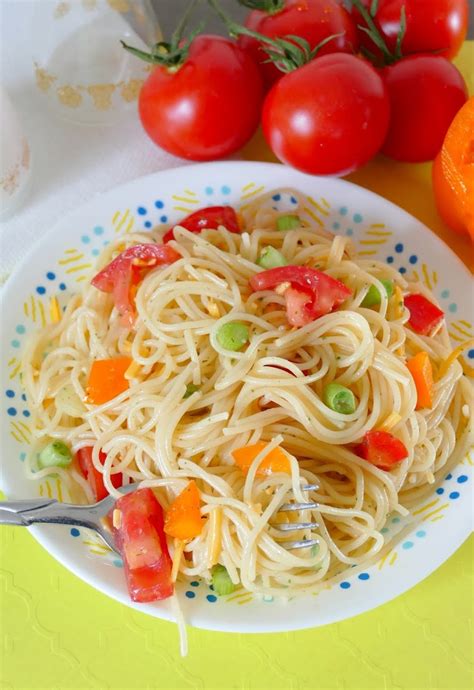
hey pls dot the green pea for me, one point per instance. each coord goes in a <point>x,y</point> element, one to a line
<point>339,398</point>
<point>221,581</point>
<point>288,222</point>
<point>233,335</point>
<point>373,295</point>
<point>55,454</point>
<point>271,258</point>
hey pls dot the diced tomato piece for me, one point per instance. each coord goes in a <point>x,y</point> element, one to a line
<point>424,315</point>
<point>381,449</point>
<point>93,476</point>
<point>207,219</point>
<point>128,269</point>
<point>141,540</point>
<point>309,295</point>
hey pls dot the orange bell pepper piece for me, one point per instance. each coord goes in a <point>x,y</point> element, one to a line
<point>183,518</point>
<point>422,372</point>
<point>107,379</point>
<point>453,173</point>
<point>275,461</point>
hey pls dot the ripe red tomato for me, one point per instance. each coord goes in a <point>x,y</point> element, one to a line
<point>328,117</point>
<point>431,25</point>
<point>425,91</point>
<point>209,107</point>
<point>313,20</point>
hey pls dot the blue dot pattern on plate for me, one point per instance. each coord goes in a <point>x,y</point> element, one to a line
<point>336,226</point>
<point>462,478</point>
<point>407,545</point>
<point>413,259</point>
<point>453,308</point>
<point>421,533</point>
<point>399,248</point>
<point>276,197</point>
<point>384,530</point>
<point>349,232</point>
<point>40,290</point>
<point>11,411</point>
<point>20,329</point>
<point>26,413</point>
<point>62,286</point>
<point>453,495</point>
<point>159,203</point>
<point>98,230</point>
<point>95,252</point>
<point>470,354</point>
<point>15,343</point>
<point>75,532</point>
<point>22,457</point>
<point>225,189</point>
<point>345,585</point>
<point>85,239</point>
<point>402,270</point>
<point>396,519</point>
<point>148,224</point>
<point>141,210</point>
<point>163,219</point>
<point>9,393</point>
<point>390,259</point>
<point>357,218</point>
<point>212,598</point>
<point>208,191</point>
<point>117,563</point>
<point>50,275</point>
<point>440,491</point>
<point>364,576</point>
<point>445,294</point>
<point>190,594</point>
<point>449,476</point>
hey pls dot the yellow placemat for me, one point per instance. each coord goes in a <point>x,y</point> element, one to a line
<point>57,633</point>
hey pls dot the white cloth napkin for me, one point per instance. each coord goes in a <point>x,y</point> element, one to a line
<point>70,163</point>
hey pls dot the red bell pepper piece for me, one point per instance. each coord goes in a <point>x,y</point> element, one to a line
<point>381,449</point>
<point>424,315</point>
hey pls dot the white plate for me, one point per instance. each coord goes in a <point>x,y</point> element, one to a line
<point>62,259</point>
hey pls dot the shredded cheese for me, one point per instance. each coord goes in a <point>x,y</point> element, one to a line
<point>282,288</point>
<point>391,421</point>
<point>132,371</point>
<point>213,309</point>
<point>54,310</point>
<point>117,518</point>
<point>396,303</point>
<point>215,525</point>
<point>445,365</point>
<point>178,552</point>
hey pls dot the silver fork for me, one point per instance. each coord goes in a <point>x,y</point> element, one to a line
<point>298,526</point>
<point>42,510</point>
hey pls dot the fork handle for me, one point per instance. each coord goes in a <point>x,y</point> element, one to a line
<point>31,511</point>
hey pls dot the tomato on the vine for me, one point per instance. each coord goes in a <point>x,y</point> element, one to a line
<point>432,26</point>
<point>313,20</point>
<point>202,100</point>
<point>328,117</point>
<point>425,92</point>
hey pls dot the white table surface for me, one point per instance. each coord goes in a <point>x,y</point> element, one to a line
<point>70,163</point>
